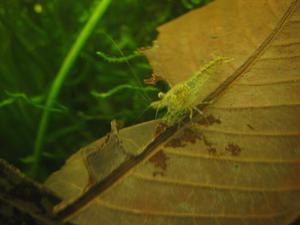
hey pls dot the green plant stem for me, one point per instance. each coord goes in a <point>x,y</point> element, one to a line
<point>60,78</point>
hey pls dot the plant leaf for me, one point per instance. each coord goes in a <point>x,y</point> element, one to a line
<point>238,165</point>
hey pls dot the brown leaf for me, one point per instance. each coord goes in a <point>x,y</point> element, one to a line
<point>241,166</point>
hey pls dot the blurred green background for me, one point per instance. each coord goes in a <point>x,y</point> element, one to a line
<point>35,37</point>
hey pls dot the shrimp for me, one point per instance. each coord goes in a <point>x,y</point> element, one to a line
<point>182,97</point>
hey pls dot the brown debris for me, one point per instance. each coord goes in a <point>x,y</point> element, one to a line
<point>157,173</point>
<point>206,142</point>
<point>251,127</point>
<point>143,49</point>
<point>161,127</point>
<point>234,149</point>
<point>159,160</point>
<point>153,80</point>
<point>174,143</point>
<point>212,151</point>
<point>188,136</point>
<point>208,120</point>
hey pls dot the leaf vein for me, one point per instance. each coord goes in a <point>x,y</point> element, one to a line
<point>186,215</point>
<point>213,186</point>
<point>233,159</point>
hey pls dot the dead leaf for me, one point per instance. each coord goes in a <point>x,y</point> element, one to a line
<point>242,167</point>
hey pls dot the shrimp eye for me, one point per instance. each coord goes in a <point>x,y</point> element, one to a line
<point>161,95</point>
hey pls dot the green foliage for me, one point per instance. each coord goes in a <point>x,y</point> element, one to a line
<point>60,78</point>
<point>114,59</point>
<point>35,102</point>
<point>36,37</point>
<point>189,4</point>
<point>120,88</point>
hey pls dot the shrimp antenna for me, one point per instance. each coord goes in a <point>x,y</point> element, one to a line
<point>125,59</point>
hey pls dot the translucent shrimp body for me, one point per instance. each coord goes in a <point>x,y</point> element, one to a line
<point>182,97</point>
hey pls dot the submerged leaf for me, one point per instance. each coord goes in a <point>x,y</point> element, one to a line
<point>239,165</point>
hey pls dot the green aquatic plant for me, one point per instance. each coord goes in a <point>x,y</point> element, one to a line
<point>61,76</point>
<point>189,4</point>
<point>120,88</point>
<point>124,59</point>
<point>33,101</point>
<point>35,38</point>
<point>116,59</point>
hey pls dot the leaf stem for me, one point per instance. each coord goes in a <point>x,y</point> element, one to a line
<point>64,70</point>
